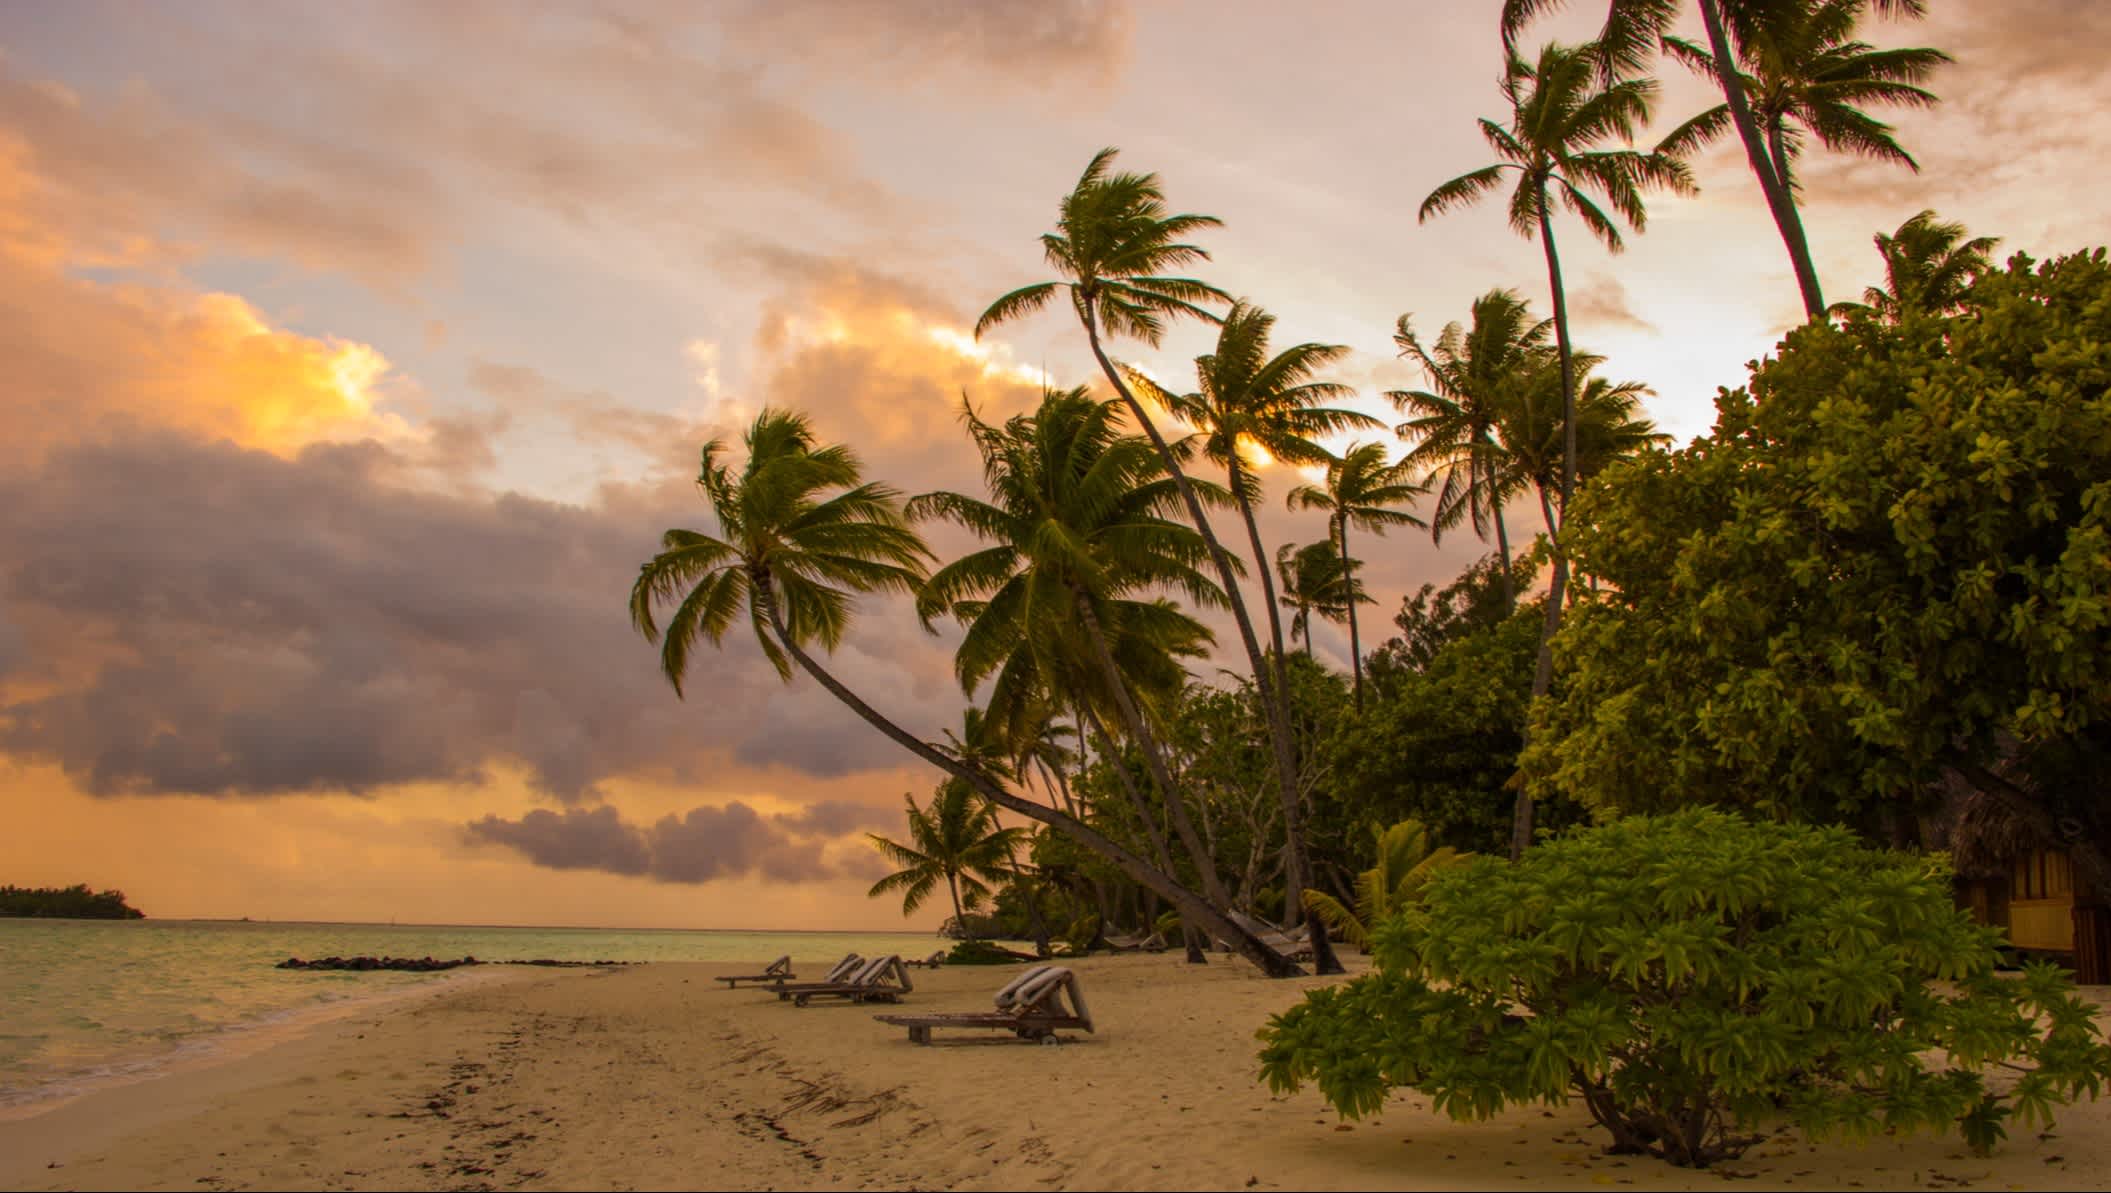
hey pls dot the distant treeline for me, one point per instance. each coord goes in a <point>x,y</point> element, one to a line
<point>73,903</point>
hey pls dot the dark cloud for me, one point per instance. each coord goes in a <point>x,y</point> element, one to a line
<point>701,845</point>
<point>221,621</point>
<point>836,817</point>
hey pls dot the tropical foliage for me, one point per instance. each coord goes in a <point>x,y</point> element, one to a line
<point>1690,979</point>
<point>1406,861</point>
<point>955,841</point>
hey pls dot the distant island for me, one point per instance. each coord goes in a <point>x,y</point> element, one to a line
<point>71,903</point>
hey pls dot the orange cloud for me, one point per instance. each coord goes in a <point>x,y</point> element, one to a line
<point>88,357</point>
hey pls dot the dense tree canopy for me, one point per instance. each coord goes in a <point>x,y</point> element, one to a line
<point>1889,557</point>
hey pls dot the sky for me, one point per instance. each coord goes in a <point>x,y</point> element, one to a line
<point>357,355</point>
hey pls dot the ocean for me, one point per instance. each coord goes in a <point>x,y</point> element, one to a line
<point>86,1003</point>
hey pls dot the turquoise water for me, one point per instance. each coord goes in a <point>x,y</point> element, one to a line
<point>84,1002</point>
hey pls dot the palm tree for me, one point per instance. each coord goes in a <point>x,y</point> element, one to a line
<point>1076,528</point>
<point>1928,267</point>
<point>1633,30</point>
<point>956,840</point>
<point>1805,73</point>
<point>1471,373</point>
<point>1115,245</point>
<point>1247,400</point>
<point>801,535</point>
<point>1557,112</point>
<point>1362,490</point>
<point>1316,584</point>
<point>1609,427</point>
<point>1405,864</point>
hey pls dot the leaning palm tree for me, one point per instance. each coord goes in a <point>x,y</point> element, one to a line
<point>1247,400</point>
<point>957,841</point>
<point>1634,29</point>
<point>1472,371</point>
<point>1076,529</point>
<point>1364,491</point>
<point>1928,267</point>
<point>801,536</point>
<point>1805,74</point>
<point>1558,111</point>
<point>1115,247</point>
<point>1315,584</point>
<point>1405,864</point>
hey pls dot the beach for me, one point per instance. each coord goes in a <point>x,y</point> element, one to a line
<point>658,1077</point>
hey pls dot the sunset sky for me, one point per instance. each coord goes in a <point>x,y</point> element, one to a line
<point>357,353</point>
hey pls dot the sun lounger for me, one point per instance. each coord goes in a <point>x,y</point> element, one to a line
<point>882,979</point>
<point>1154,943</point>
<point>931,962</point>
<point>850,964</point>
<point>1031,1006</point>
<point>1296,947</point>
<point>779,970</point>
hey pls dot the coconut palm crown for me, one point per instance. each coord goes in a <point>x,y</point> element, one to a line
<point>788,551</point>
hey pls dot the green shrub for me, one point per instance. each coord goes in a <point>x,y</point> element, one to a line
<point>1689,977</point>
<point>980,952</point>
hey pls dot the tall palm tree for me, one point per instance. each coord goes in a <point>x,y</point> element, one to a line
<point>1928,266</point>
<point>1364,491</point>
<point>1634,29</point>
<point>956,840</point>
<point>1315,584</point>
<point>1471,373</point>
<point>1804,72</point>
<point>1248,400</point>
<point>801,535</point>
<point>1115,247</point>
<point>1076,529</point>
<point>1558,111</point>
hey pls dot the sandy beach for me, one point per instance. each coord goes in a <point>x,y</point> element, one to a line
<point>657,1077</point>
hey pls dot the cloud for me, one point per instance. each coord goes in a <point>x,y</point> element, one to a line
<point>1030,43</point>
<point>1601,299</point>
<point>703,844</point>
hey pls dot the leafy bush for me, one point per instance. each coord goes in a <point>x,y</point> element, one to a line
<point>1688,977</point>
<point>980,952</point>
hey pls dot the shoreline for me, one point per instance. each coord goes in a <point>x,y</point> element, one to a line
<point>658,1077</point>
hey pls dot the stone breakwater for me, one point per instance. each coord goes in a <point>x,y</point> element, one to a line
<point>428,964</point>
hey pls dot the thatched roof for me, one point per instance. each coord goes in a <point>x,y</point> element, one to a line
<point>1986,838</point>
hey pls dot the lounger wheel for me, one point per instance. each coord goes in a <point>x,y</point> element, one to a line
<point>1051,1038</point>
<point>799,1001</point>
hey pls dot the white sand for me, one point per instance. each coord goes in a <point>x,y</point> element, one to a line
<point>657,1077</point>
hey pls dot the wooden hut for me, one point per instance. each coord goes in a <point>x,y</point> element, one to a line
<point>2010,880</point>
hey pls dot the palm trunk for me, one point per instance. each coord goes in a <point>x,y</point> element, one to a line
<point>1195,953</point>
<point>1543,666</point>
<point>960,918</point>
<point>1502,541</point>
<point>1771,184</point>
<point>1348,570</point>
<point>1276,702</point>
<point>1153,756</point>
<point>1260,564</point>
<point>1270,962</point>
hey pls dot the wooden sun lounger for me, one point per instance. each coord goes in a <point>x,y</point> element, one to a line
<point>882,979</point>
<point>931,962</point>
<point>1295,947</point>
<point>1031,1006</point>
<point>779,970</point>
<point>841,970</point>
<point>1154,943</point>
